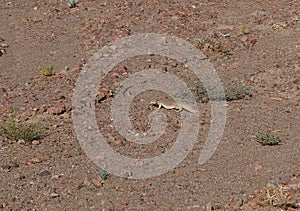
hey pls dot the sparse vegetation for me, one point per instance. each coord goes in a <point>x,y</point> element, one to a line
<point>13,129</point>
<point>276,196</point>
<point>267,138</point>
<point>103,174</point>
<point>200,93</point>
<point>236,91</point>
<point>250,49</point>
<point>46,70</point>
<point>213,47</point>
<point>227,54</point>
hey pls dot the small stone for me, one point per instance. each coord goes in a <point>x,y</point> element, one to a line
<point>208,207</point>
<point>285,181</point>
<point>13,164</point>
<point>239,203</point>
<point>35,142</point>
<point>54,195</point>
<point>97,182</point>
<point>87,183</point>
<point>34,161</point>
<point>21,141</point>
<point>43,108</point>
<point>216,207</point>
<point>6,168</point>
<point>72,3</point>
<point>21,177</point>
<point>123,203</point>
<point>128,174</point>
<point>258,167</point>
<point>65,68</point>
<point>57,110</point>
<point>56,176</point>
<point>62,186</point>
<point>44,173</point>
<point>2,91</point>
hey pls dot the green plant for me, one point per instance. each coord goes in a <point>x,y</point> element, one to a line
<point>267,138</point>
<point>103,174</point>
<point>200,93</point>
<point>236,91</point>
<point>227,54</point>
<point>46,70</point>
<point>213,46</point>
<point>12,129</point>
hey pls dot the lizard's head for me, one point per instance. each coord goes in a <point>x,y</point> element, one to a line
<point>153,102</point>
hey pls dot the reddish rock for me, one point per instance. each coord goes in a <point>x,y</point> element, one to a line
<point>57,110</point>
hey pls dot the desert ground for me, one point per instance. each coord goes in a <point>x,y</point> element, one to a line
<point>253,47</point>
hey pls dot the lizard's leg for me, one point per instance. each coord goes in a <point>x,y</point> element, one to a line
<point>159,105</point>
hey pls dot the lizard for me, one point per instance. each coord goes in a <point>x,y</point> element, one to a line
<point>169,104</point>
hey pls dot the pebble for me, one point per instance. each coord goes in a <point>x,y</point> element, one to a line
<point>216,207</point>
<point>45,173</point>
<point>65,68</point>
<point>35,142</point>
<point>285,181</point>
<point>2,91</point>
<point>54,195</point>
<point>239,203</point>
<point>13,164</point>
<point>21,141</point>
<point>60,109</point>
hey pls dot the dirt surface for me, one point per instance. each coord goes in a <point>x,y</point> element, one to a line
<point>254,43</point>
